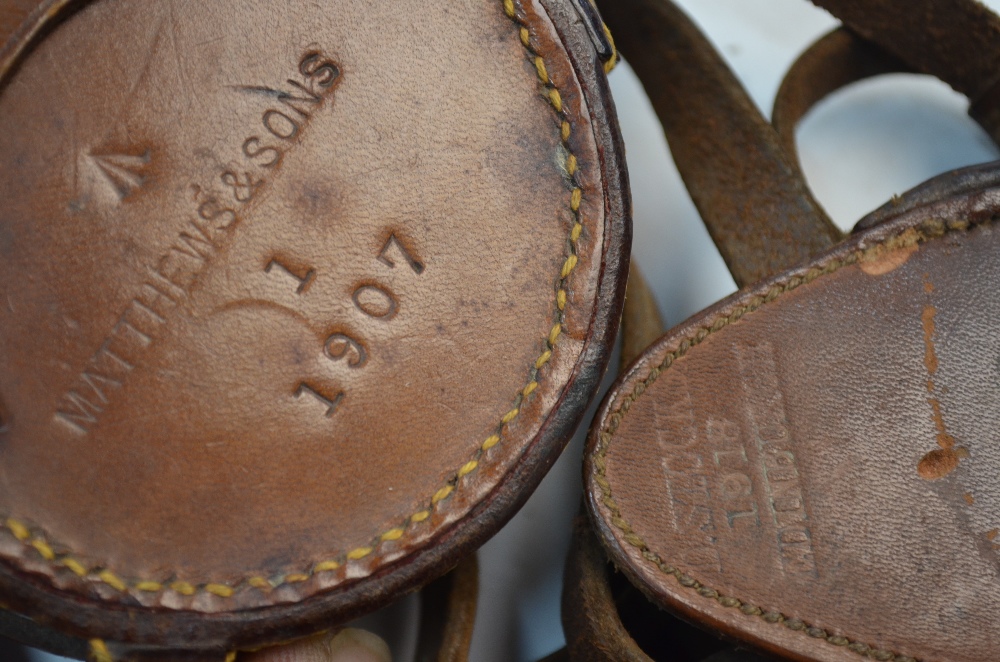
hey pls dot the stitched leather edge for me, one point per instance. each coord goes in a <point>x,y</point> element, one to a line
<point>910,236</point>
<point>35,538</point>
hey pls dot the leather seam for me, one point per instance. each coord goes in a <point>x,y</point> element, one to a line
<point>909,237</point>
<point>23,533</point>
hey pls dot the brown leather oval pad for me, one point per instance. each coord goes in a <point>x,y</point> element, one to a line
<point>293,294</point>
<point>810,465</point>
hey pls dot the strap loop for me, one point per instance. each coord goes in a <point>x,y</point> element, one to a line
<point>957,41</point>
<point>832,62</point>
<point>750,193</point>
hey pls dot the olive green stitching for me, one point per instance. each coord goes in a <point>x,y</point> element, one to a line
<point>909,237</point>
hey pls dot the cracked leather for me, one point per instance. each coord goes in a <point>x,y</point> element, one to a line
<point>296,305</point>
<point>810,464</point>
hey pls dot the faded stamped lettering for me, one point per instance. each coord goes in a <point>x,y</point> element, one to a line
<point>688,474</point>
<point>209,229</point>
<point>781,484</point>
<point>690,498</point>
<point>733,467</point>
<point>372,300</point>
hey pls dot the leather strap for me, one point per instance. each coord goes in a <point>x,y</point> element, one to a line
<point>448,614</point>
<point>750,193</point>
<point>593,627</point>
<point>594,631</point>
<point>832,62</point>
<point>641,319</point>
<point>957,41</point>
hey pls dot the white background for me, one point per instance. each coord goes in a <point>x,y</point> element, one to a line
<point>858,148</point>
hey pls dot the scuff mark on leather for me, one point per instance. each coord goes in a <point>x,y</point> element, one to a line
<point>939,462</point>
<point>889,261</point>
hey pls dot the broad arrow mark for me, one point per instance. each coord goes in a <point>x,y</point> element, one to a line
<point>122,171</point>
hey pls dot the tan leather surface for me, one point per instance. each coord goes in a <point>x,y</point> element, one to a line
<point>253,347</point>
<point>811,464</point>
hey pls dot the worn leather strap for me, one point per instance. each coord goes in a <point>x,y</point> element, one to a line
<point>957,41</point>
<point>591,622</point>
<point>832,62</point>
<point>448,614</point>
<point>835,61</point>
<point>750,193</point>
<point>641,319</point>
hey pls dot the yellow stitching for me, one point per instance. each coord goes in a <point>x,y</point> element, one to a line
<point>571,165</point>
<point>543,75</point>
<point>23,533</point>
<point>296,578</point>
<point>19,530</point>
<point>554,334</point>
<point>220,590</point>
<point>442,494</point>
<point>359,553</point>
<point>43,549</point>
<point>569,265</point>
<point>610,64</point>
<point>393,534</point>
<point>556,99</point>
<point>909,237</point>
<point>75,566</point>
<point>112,580</point>
<point>183,588</point>
<point>99,651</point>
